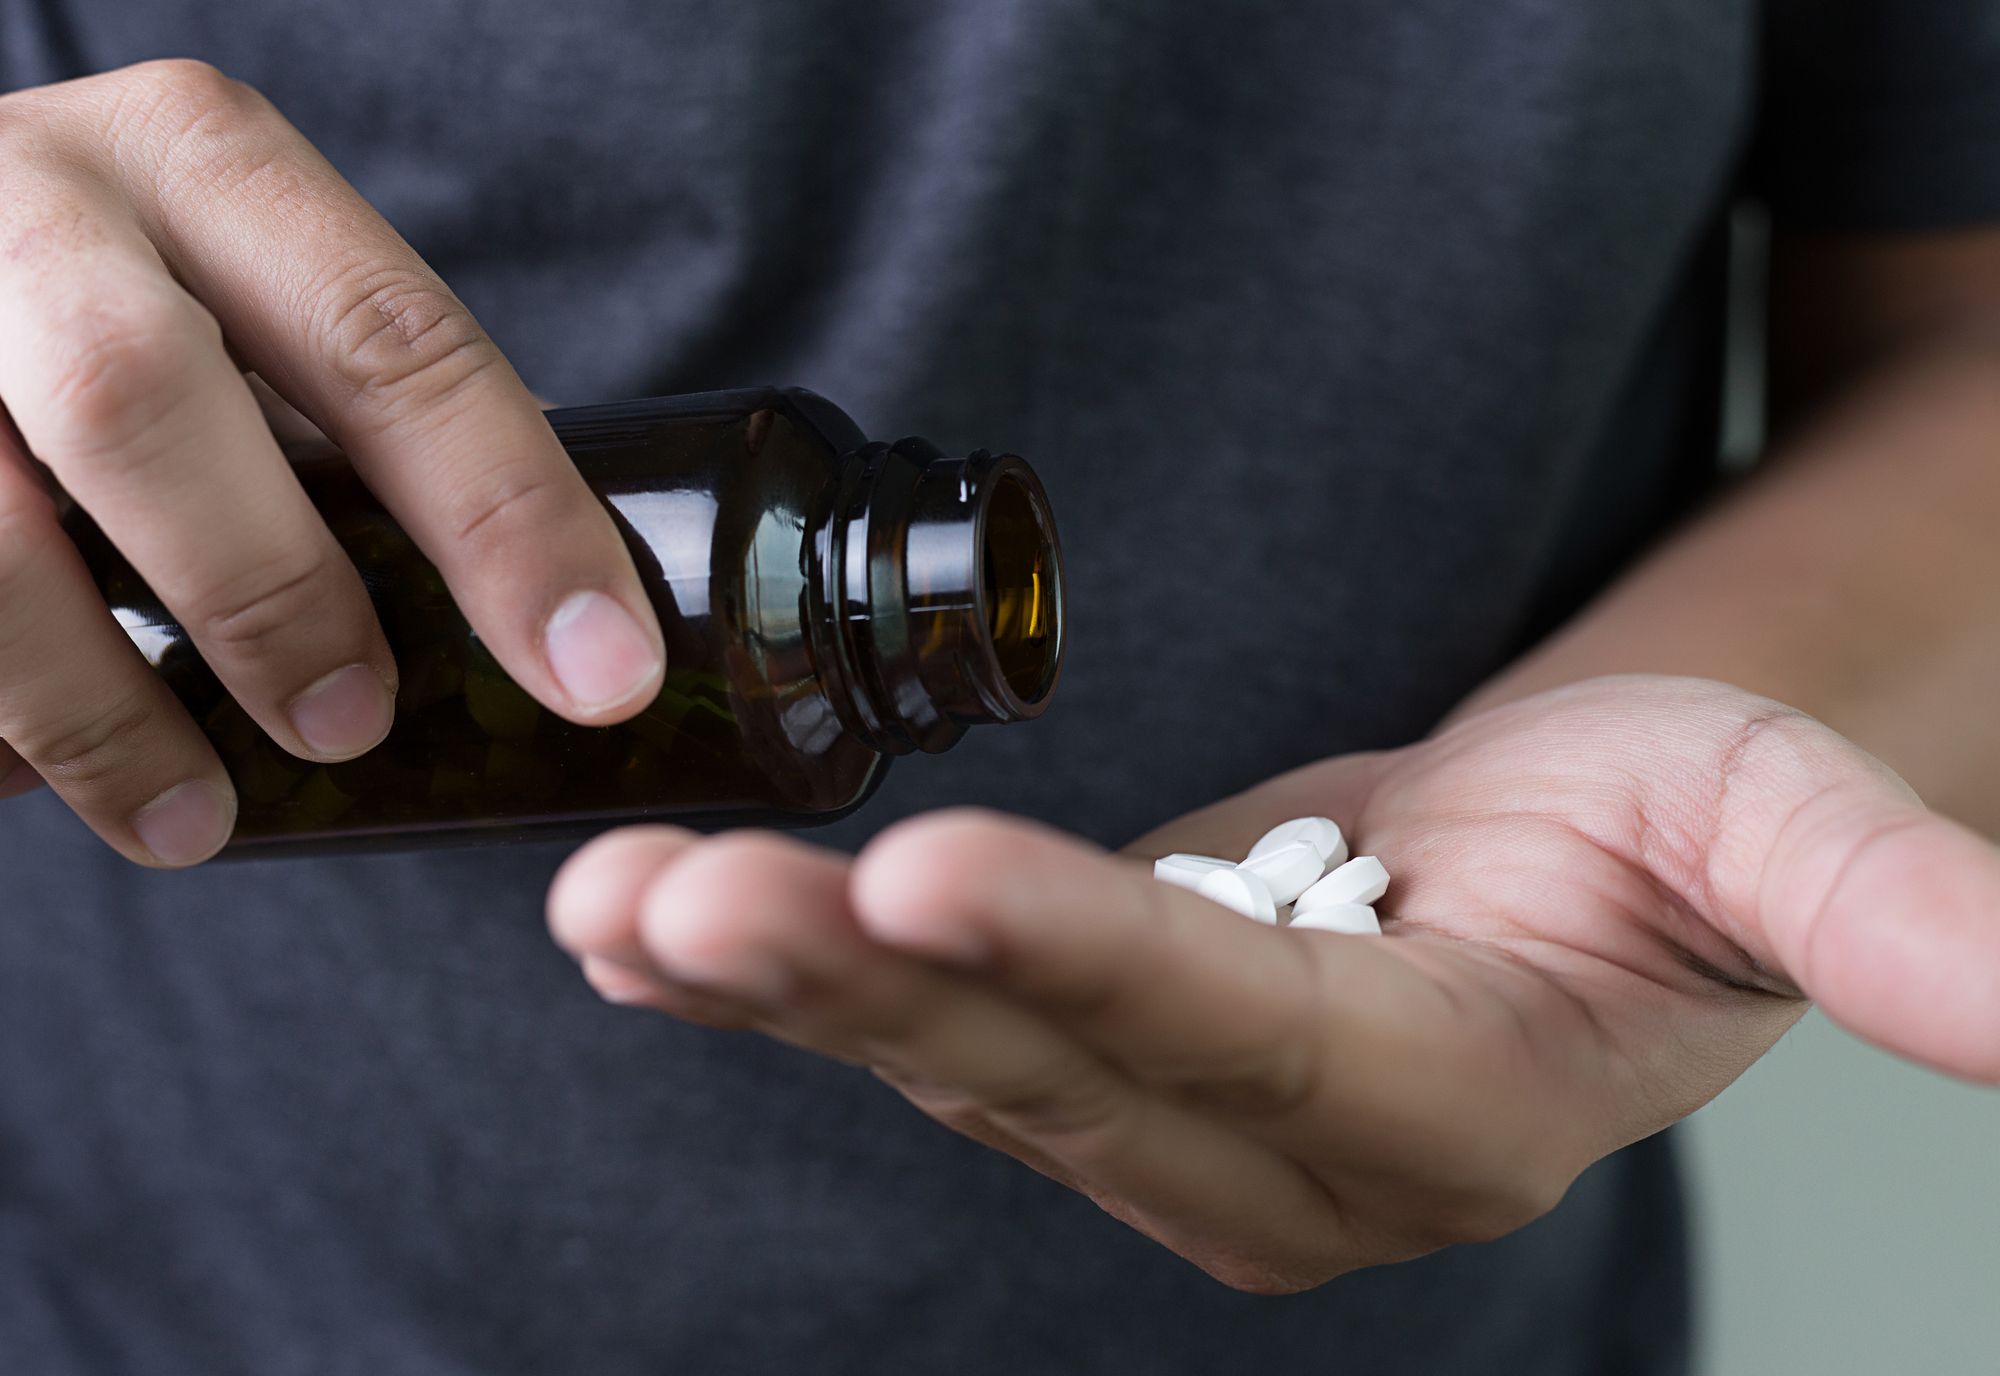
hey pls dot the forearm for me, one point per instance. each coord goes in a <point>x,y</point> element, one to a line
<point>1857,578</point>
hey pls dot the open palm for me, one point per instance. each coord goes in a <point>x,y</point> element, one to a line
<point>1609,900</point>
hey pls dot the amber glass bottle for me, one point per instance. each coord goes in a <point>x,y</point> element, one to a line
<point>828,603</point>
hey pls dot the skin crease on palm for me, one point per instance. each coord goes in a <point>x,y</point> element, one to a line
<point>1610,899</point>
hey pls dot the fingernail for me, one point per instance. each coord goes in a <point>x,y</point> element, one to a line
<point>598,653</point>
<point>186,824</point>
<point>347,712</point>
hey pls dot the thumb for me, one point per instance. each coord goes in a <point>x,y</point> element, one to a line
<point>1885,914</point>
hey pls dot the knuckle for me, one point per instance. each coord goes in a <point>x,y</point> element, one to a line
<point>187,78</point>
<point>269,605</point>
<point>205,131</point>
<point>87,752</point>
<point>396,337</point>
<point>143,109</point>
<point>186,96</point>
<point>120,368</point>
<point>496,501</point>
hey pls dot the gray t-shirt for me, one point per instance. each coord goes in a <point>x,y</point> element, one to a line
<point>1355,339</point>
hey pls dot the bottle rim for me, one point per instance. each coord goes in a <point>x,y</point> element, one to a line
<point>1024,695</point>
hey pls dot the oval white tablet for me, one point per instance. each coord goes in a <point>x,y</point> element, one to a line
<point>1187,870</point>
<point>1360,880</point>
<point>1241,893</point>
<point>1349,919</point>
<point>1287,871</point>
<point>1321,833</point>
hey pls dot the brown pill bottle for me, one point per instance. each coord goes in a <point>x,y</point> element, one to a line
<point>828,603</point>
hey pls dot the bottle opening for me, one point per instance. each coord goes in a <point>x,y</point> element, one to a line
<point>1021,588</point>
<point>939,592</point>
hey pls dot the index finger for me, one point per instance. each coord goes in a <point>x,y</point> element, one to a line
<point>340,315</point>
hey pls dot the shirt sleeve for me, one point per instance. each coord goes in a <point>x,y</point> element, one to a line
<point>1880,114</point>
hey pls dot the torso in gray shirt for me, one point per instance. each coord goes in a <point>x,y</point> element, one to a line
<point>1354,339</point>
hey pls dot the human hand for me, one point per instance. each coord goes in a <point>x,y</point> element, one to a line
<point>163,228</point>
<point>1608,901</point>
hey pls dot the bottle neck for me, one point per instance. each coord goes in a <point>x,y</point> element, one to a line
<point>934,594</point>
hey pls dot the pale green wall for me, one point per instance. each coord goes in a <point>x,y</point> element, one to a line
<point>1847,1217</point>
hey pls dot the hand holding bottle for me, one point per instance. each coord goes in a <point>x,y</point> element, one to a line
<point>163,230</point>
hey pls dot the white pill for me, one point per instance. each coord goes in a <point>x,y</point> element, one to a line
<point>1350,919</point>
<point>1187,870</point>
<point>1360,880</point>
<point>1287,871</point>
<point>1241,893</point>
<point>1321,833</point>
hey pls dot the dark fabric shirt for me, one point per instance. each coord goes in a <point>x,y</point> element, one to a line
<point>1355,340</point>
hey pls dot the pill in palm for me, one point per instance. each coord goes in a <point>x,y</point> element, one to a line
<point>1287,871</point>
<point>1187,870</point>
<point>1360,880</point>
<point>1349,919</point>
<point>1240,892</point>
<point>1321,833</point>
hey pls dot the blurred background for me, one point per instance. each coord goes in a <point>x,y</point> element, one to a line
<point>1847,1217</point>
